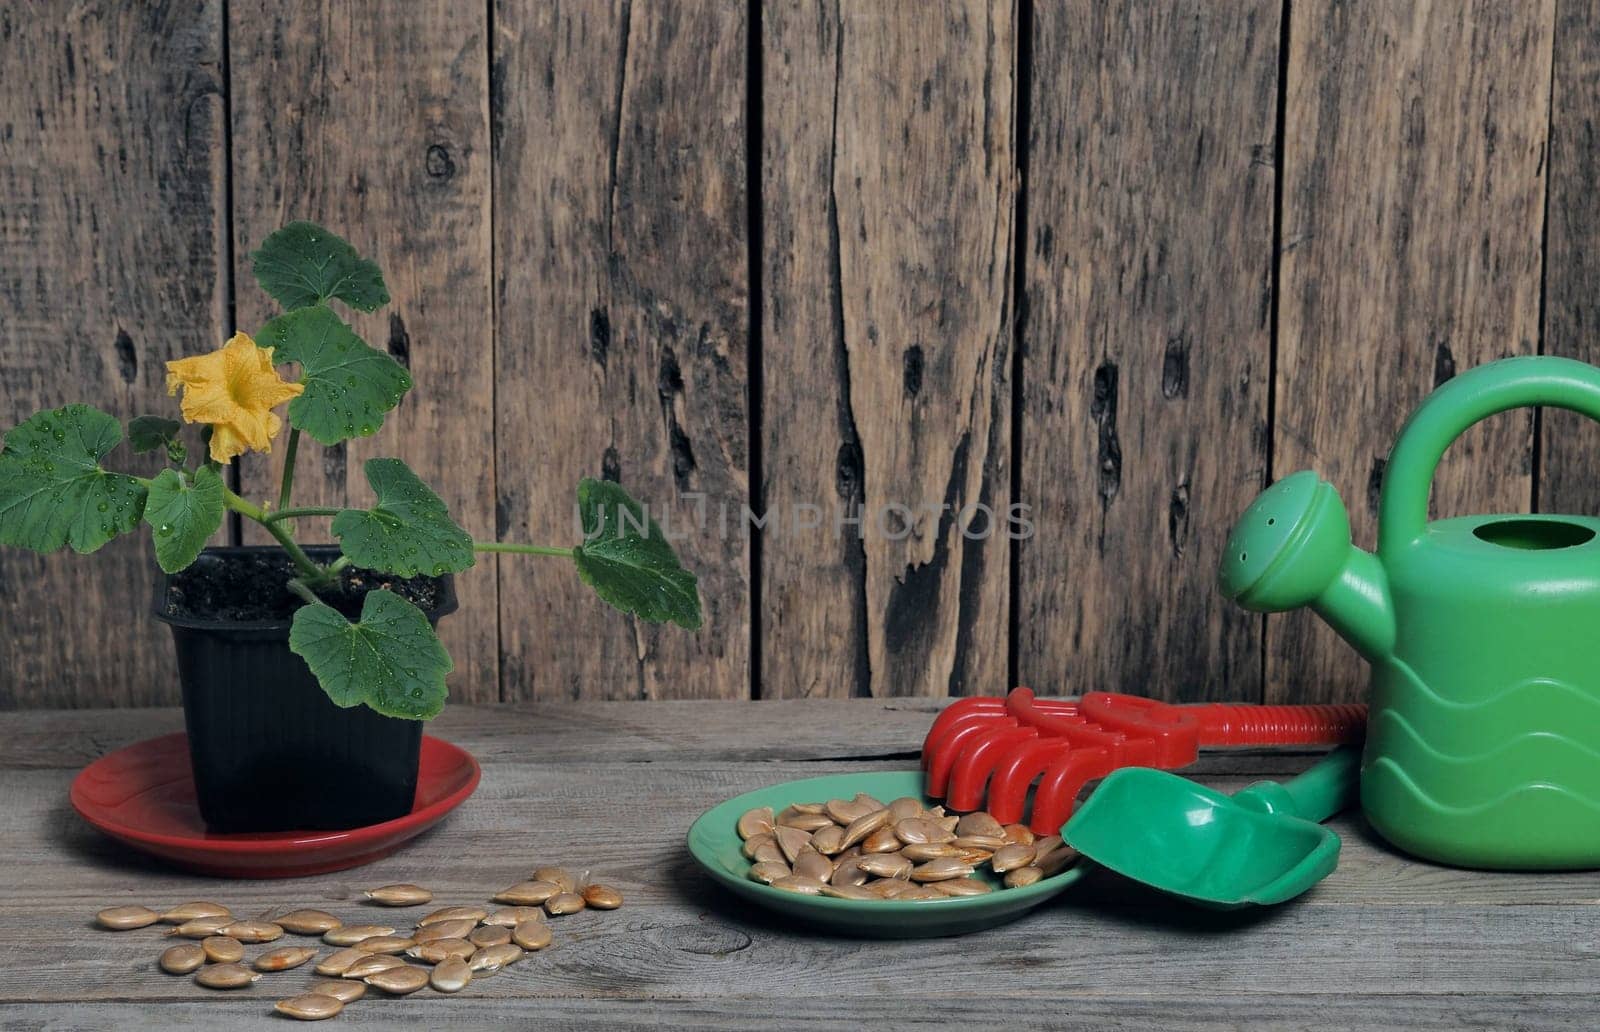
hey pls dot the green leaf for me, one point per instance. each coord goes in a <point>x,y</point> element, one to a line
<point>183,515</point>
<point>349,385</point>
<point>147,433</point>
<point>391,660</point>
<point>636,572</point>
<point>303,264</point>
<point>408,532</point>
<point>52,489</point>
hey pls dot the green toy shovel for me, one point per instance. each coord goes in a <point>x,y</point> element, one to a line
<point>1262,845</point>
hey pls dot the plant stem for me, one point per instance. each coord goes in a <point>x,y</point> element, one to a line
<point>304,510</point>
<point>288,468</point>
<point>504,546</point>
<point>313,573</point>
<point>338,564</point>
<point>298,587</point>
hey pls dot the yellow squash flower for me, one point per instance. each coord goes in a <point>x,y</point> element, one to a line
<point>234,389</point>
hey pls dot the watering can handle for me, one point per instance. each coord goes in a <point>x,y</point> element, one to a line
<point>1448,412</point>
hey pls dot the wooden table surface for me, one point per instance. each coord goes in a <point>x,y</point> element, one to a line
<point>1386,942</point>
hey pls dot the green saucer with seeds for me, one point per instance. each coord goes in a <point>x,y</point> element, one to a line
<point>716,846</point>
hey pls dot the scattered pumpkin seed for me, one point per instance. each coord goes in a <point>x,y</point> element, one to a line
<point>252,931</point>
<point>284,958</point>
<point>564,903</point>
<point>339,961</point>
<point>441,950</point>
<point>386,944</point>
<point>528,893</point>
<point>182,959</point>
<point>122,919</point>
<point>307,922</point>
<point>374,963</point>
<point>454,914</point>
<point>602,897</point>
<point>349,935</point>
<point>459,928</point>
<point>341,989</point>
<point>492,958</point>
<point>531,935</point>
<point>190,911</point>
<point>310,1007</point>
<point>222,949</point>
<point>403,895</point>
<point>557,876</point>
<point>451,976</point>
<point>200,927</point>
<point>226,976</point>
<point>489,935</point>
<point>399,981</point>
<point>510,917</point>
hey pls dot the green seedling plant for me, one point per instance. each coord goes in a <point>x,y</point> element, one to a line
<point>55,493</point>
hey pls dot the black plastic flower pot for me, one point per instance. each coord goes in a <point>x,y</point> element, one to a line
<point>270,751</point>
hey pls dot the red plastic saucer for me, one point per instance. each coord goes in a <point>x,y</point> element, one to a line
<point>144,795</point>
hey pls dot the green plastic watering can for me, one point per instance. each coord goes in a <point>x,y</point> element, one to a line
<point>1483,736</point>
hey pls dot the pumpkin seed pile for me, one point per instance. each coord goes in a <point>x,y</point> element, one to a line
<point>864,849</point>
<point>459,944</point>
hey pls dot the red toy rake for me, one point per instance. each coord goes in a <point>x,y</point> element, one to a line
<point>1008,743</point>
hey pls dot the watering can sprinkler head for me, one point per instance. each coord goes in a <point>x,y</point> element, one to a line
<point>1292,548</point>
<point>1287,547</point>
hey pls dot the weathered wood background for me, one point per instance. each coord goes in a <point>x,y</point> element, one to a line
<point>1120,262</point>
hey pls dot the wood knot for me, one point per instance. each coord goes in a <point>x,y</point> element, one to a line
<point>439,163</point>
<point>706,940</point>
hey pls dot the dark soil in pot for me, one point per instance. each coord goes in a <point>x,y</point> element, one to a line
<point>270,751</point>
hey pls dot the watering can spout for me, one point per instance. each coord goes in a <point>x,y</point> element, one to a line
<point>1292,548</point>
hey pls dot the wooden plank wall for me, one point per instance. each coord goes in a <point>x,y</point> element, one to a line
<point>1120,262</point>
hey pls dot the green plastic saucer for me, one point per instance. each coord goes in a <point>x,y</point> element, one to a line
<point>714,842</point>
